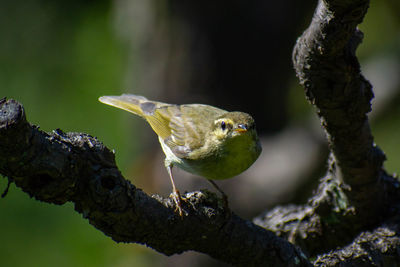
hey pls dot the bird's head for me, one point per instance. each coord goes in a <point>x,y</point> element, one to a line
<point>234,124</point>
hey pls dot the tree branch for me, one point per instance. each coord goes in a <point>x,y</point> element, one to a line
<point>356,193</point>
<point>379,247</point>
<point>60,167</point>
<point>325,62</point>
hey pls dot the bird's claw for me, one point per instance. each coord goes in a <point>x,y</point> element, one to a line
<point>176,196</point>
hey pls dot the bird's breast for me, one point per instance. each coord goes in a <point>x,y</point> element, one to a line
<point>222,161</point>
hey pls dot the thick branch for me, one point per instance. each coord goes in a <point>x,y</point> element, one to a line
<point>356,193</point>
<point>325,62</point>
<point>376,248</point>
<point>61,167</point>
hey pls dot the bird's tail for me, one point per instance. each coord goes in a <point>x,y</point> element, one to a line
<point>136,104</point>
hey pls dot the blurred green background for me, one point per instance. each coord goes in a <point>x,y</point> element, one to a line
<point>58,57</point>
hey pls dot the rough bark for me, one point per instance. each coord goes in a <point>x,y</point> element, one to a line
<point>356,194</point>
<point>379,247</point>
<point>58,167</point>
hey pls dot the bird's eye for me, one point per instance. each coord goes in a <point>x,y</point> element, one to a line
<point>223,126</point>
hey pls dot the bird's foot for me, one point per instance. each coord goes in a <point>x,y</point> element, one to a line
<point>176,196</point>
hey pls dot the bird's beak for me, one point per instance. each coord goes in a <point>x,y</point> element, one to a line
<point>241,128</point>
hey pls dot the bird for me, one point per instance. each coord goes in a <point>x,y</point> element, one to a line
<point>201,139</point>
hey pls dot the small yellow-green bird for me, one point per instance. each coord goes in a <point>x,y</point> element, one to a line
<point>200,139</point>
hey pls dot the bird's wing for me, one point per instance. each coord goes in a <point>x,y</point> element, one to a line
<point>144,108</point>
<point>136,104</point>
<point>183,127</point>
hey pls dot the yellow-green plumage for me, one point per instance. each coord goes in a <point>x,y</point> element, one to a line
<point>200,139</point>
